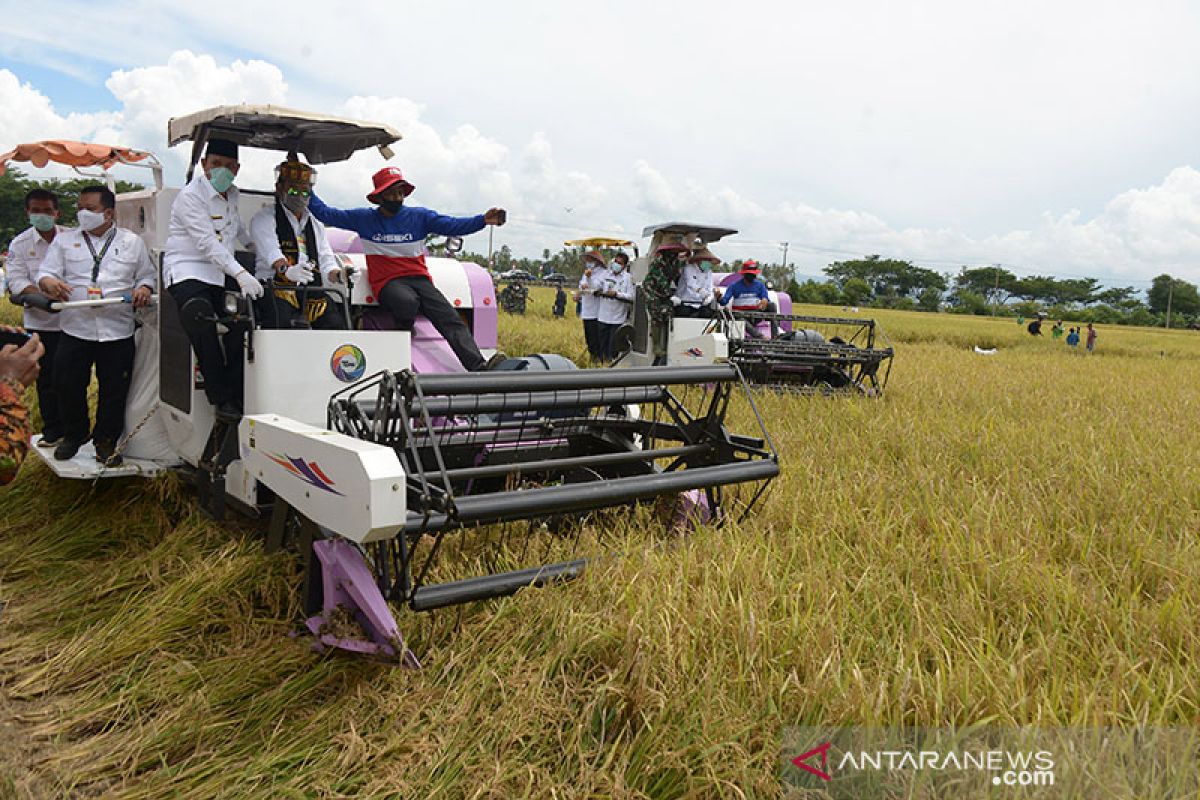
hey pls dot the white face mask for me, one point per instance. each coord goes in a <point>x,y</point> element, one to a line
<point>89,220</point>
<point>617,266</point>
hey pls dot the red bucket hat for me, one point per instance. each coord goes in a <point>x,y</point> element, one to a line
<point>750,268</point>
<point>385,179</point>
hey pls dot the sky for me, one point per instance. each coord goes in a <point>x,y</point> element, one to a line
<point>1053,137</point>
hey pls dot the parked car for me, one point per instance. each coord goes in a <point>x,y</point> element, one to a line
<point>554,276</point>
<point>516,275</point>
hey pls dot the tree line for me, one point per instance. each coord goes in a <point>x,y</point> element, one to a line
<point>869,281</point>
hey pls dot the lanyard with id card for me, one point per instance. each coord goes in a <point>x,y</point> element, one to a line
<point>93,292</point>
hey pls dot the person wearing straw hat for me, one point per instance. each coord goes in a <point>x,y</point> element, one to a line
<point>589,303</point>
<point>694,294</point>
<point>662,277</point>
<point>749,294</point>
<point>393,238</point>
<point>291,249</point>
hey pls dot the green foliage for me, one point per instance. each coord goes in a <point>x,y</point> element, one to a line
<point>1182,295</point>
<point>886,277</point>
<point>856,291</point>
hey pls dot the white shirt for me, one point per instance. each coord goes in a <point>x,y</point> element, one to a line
<point>589,304</point>
<point>611,310</point>
<point>125,267</point>
<point>695,286</point>
<point>25,254</point>
<point>204,231</point>
<point>266,243</point>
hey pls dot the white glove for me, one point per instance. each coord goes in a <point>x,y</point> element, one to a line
<point>335,275</point>
<point>675,300</point>
<point>299,274</point>
<point>708,298</point>
<point>249,285</point>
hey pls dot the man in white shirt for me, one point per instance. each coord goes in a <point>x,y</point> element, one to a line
<point>615,293</point>
<point>589,304</point>
<point>694,294</point>
<point>25,254</point>
<point>95,261</point>
<point>291,249</point>
<point>204,232</point>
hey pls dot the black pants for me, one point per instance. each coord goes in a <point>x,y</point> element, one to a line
<point>47,392</point>
<point>605,333</point>
<point>221,369</point>
<point>700,312</point>
<point>277,313</point>
<point>591,335</point>
<point>73,372</point>
<point>409,295</point>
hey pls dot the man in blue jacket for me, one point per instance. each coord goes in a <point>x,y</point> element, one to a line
<point>749,294</point>
<point>393,240</point>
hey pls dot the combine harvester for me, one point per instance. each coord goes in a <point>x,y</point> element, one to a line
<point>380,455</point>
<point>797,353</point>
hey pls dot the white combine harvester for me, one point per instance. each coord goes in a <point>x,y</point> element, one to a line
<point>798,353</point>
<point>368,447</point>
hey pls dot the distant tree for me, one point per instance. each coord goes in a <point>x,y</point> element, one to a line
<point>1182,295</point>
<point>930,299</point>
<point>993,284</point>
<point>1116,295</point>
<point>856,291</point>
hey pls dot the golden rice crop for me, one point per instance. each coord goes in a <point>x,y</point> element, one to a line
<point>1007,538</point>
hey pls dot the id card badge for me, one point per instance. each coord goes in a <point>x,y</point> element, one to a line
<point>94,293</point>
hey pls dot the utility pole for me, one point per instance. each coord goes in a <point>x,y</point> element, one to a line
<point>491,228</point>
<point>785,247</point>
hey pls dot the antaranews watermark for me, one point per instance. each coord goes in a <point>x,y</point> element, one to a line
<point>990,762</point>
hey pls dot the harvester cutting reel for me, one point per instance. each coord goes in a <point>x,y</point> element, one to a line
<point>448,486</point>
<point>809,354</point>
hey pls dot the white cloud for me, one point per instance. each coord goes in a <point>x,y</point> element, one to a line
<point>465,168</point>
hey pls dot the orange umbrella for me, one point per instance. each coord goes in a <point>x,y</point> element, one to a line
<point>73,154</point>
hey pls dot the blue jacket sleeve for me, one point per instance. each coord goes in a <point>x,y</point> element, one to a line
<point>349,219</point>
<point>726,296</point>
<point>762,291</point>
<point>452,226</point>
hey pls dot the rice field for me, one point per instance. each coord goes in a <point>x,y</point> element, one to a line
<point>1007,538</point>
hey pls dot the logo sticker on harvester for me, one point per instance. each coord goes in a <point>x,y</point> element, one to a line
<point>348,363</point>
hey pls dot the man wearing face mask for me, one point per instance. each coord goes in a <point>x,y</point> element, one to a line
<point>694,295</point>
<point>25,255</point>
<point>393,239</point>
<point>662,277</point>
<point>204,232</point>
<point>95,261</point>
<point>614,288</point>
<point>291,249</point>
<point>750,294</point>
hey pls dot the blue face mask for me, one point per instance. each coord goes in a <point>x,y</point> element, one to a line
<point>43,222</point>
<point>221,178</point>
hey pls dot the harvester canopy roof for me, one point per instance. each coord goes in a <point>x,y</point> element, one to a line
<point>319,138</point>
<point>598,241</point>
<point>706,233</point>
<point>74,154</point>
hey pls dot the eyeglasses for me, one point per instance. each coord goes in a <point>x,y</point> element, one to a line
<point>294,192</point>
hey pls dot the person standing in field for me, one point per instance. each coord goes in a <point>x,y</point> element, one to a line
<point>589,303</point>
<point>1091,338</point>
<point>25,254</point>
<point>1057,331</point>
<point>1073,338</point>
